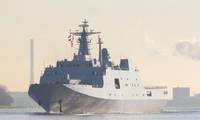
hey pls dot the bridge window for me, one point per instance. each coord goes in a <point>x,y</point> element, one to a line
<point>117,84</point>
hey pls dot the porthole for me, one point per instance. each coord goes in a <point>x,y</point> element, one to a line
<point>149,93</point>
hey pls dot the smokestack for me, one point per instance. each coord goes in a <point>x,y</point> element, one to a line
<point>31,61</point>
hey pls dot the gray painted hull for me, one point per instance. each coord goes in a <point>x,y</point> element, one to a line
<point>57,98</point>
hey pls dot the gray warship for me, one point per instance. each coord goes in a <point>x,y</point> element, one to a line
<point>95,85</point>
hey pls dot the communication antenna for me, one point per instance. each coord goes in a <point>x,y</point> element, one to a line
<point>31,61</point>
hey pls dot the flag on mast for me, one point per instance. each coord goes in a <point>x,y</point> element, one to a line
<point>99,37</point>
<point>71,39</point>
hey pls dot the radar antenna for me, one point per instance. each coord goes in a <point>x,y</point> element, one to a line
<point>83,38</point>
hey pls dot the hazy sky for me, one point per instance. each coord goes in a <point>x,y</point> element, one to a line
<point>161,37</point>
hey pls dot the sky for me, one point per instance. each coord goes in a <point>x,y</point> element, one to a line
<point>160,37</point>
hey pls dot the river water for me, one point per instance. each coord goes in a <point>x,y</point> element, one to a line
<point>39,114</point>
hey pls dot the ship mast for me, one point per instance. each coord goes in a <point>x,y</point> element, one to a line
<point>100,43</point>
<point>83,38</point>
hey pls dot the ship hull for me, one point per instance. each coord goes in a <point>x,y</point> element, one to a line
<point>58,98</point>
